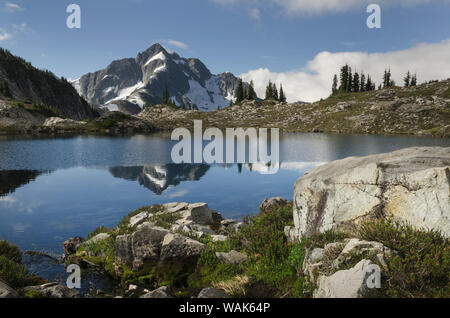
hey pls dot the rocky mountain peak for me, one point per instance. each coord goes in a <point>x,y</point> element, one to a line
<point>141,81</point>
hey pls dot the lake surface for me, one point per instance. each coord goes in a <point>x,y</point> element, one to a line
<point>55,188</point>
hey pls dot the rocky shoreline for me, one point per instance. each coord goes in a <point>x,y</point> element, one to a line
<point>349,219</point>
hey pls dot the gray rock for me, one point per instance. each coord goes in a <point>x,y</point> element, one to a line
<point>142,246</point>
<point>139,219</point>
<point>163,292</point>
<point>410,185</point>
<point>62,123</point>
<point>356,246</point>
<point>218,238</point>
<point>175,207</point>
<point>350,283</point>
<point>7,292</point>
<point>199,213</point>
<point>232,258</point>
<point>272,203</point>
<point>176,247</point>
<point>53,290</point>
<point>98,238</point>
<point>212,293</point>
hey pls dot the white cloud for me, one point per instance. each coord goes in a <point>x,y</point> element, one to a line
<point>178,44</point>
<point>431,61</point>
<point>315,7</point>
<point>20,27</point>
<point>13,7</point>
<point>255,14</point>
<point>4,35</point>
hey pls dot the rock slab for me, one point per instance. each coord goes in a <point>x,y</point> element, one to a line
<point>410,185</point>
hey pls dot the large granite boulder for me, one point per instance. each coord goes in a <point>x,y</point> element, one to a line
<point>409,185</point>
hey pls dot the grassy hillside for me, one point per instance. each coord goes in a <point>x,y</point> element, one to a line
<point>21,83</point>
<point>421,110</point>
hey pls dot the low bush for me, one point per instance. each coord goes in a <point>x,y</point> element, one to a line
<point>10,251</point>
<point>420,266</point>
<point>12,273</point>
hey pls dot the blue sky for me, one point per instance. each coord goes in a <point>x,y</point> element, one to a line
<point>241,36</point>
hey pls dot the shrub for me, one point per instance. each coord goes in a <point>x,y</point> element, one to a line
<point>165,220</point>
<point>32,294</point>
<point>12,273</point>
<point>420,266</point>
<point>319,240</point>
<point>10,251</point>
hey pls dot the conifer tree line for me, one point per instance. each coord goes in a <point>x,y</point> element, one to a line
<point>359,82</point>
<point>242,93</point>
<point>410,80</point>
<point>352,82</point>
<point>272,93</point>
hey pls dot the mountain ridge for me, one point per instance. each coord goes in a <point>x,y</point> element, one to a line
<point>142,80</point>
<point>20,81</point>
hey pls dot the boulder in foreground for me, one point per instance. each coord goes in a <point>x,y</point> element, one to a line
<point>409,185</point>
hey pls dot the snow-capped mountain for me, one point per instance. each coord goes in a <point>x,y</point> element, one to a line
<point>128,83</point>
<point>159,178</point>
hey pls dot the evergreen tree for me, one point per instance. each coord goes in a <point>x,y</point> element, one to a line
<point>165,97</point>
<point>407,79</point>
<point>4,89</point>
<point>269,91</point>
<point>362,84</point>
<point>274,92</point>
<point>251,91</point>
<point>414,80</point>
<point>387,79</point>
<point>369,83</point>
<point>350,80</point>
<point>334,88</point>
<point>344,78</point>
<point>355,84</point>
<point>282,98</point>
<point>240,92</point>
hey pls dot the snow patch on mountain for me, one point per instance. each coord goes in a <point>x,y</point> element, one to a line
<point>160,56</point>
<point>125,92</point>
